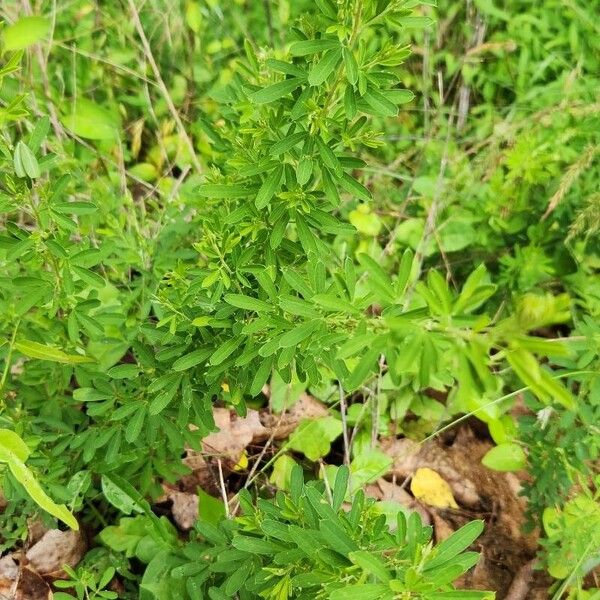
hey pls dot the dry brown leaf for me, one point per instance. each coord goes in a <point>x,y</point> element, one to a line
<point>31,586</point>
<point>9,571</point>
<point>184,507</point>
<point>441,528</point>
<point>280,426</point>
<point>55,549</point>
<point>234,435</point>
<point>237,433</point>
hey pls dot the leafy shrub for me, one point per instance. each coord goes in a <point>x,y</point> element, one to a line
<point>301,545</point>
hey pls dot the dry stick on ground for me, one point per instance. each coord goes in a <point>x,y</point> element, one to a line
<point>161,84</point>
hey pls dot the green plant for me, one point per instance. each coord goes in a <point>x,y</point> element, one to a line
<point>304,544</point>
<point>85,585</point>
<point>200,198</point>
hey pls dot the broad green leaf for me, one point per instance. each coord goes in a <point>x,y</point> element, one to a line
<point>369,466</point>
<point>282,472</point>
<point>91,121</point>
<point>43,352</point>
<point>11,442</point>
<point>313,437</point>
<point>210,509</point>
<point>13,452</point>
<point>25,32</point>
<point>505,457</point>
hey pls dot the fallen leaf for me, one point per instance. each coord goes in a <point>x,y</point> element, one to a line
<point>31,586</point>
<point>184,508</point>
<point>9,571</point>
<point>234,434</point>
<point>429,487</point>
<point>55,549</point>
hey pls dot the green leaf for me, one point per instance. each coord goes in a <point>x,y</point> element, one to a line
<point>224,351</point>
<point>43,352</point>
<point>122,495</point>
<point>13,452</point>
<point>248,303</point>
<point>191,359</point>
<point>298,334</point>
<point>325,67</point>
<point>351,66</point>
<point>354,187</point>
<point>306,47</point>
<point>453,545</point>
<point>505,457</point>
<point>371,564</point>
<point>363,591</point>
<point>287,143</point>
<point>369,466</point>
<point>210,509</point>
<point>269,188</point>
<point>313,437</point>
<point>91,121</point>
<point>25,32</point>
<point>380,104</point>
<point>340,487</point>
<point>281,475</point>
<point>10,441</point>
<point>25,162</point>
<point>220,190</point>
<point>126,371</point>
<point>135,425</point>
<point>275,91</point>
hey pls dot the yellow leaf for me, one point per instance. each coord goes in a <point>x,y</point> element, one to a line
<point>225,387</point>
<point>242,464</point>
<point>429,487</point>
